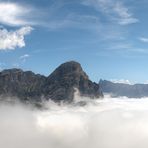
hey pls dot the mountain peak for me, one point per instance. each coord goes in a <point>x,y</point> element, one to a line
<point>68,69</point>
<point>66,78</point>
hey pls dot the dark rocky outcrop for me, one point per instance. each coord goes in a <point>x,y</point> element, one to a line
<point>120,89</point>
<point>60,85</point>
<point>68,76</point>
<point>24,85</point>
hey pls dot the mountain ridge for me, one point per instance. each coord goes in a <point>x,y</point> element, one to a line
<point>59,85</point>
<point>122,89</point>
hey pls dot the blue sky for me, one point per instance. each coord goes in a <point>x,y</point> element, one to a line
<point>108,37</point>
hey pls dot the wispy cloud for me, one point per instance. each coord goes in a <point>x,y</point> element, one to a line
<point>24,57</point>
<point>126,49</point>
<point>114,10</point>
<point>20,61</point>
<point>16,14</point>
<point>9,40</point>
<point>143,39</point>
<point>75,21</point>
<point>124,16</point>
<point>121,81</point>
<point>120,46</point>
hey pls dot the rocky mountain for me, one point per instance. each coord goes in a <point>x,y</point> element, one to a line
<point>68,76</point>
<point>120,89</point>
<point>20,84</point>
<point>59,85</point>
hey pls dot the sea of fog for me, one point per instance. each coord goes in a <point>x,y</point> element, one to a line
<point>103,123</point>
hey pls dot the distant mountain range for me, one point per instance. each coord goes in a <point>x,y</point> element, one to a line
<point>59,85</point>
<point>121,89</point>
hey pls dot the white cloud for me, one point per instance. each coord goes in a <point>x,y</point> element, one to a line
<point>143,39</point>
<point>9,40</point>
<point>102,123</point>
<point>14,14</point>
<point>121,81</point>
<point>113,9</point>
<point>24,57</point>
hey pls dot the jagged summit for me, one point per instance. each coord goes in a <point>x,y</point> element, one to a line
<point>66,78</point>
<point>59,85</point>
<point>70,68</point>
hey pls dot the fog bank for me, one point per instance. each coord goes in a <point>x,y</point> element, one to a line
<point>106,123</point>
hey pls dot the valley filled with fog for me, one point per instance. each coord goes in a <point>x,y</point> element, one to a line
<point>103,123</point>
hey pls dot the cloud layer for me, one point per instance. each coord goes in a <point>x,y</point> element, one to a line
<point>101,123</point>
<point>9,40</point>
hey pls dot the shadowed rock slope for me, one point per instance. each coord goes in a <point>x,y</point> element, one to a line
<point>60,85</point>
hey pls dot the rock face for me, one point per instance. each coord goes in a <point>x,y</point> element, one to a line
<point>120,89</point>
<point>60,85</point>
<point>24,85</point>
<point>68,76</point>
